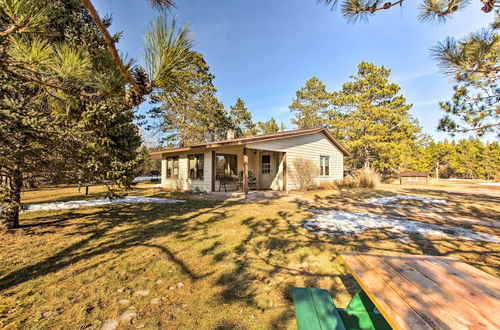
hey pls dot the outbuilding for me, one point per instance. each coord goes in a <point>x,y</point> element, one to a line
<point>407,177</point>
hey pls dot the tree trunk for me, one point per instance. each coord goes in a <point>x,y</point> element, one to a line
<point>12,201</point>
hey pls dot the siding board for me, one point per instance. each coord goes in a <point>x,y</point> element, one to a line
<point>311,147</point>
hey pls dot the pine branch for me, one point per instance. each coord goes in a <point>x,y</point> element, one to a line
<point>38,80</point>
<point>162,4</point>
<point>22,16</point>
<point>478,130</point>
<point>430,10</point>
<point>11,29</point>
<point>111,44</point>
<point>374,8</point>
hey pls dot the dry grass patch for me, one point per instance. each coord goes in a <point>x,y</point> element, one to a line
<point>211,264</point>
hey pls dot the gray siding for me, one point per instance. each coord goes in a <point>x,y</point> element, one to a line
<point>183,182</point>
<point>310,146</point>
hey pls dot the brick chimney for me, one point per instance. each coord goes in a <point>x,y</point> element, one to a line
<point>230,134</point>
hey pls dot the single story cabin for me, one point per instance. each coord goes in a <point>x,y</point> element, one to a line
<point>407,177</point>
<point>260,162</point>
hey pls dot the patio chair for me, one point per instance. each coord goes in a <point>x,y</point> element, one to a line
<point>252,181</point>
<point>224,180</point>
<point>314,309</point>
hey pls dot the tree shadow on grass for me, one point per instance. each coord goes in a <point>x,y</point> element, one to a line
<point>105,223</point>
<point>270,252</point>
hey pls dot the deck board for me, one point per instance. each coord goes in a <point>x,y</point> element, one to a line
<point>423,292</point>
<point>472,290</point>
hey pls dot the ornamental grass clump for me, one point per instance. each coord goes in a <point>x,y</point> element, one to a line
<point>362,178</point>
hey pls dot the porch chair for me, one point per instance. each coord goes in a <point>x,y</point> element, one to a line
<point>252,181</point>
<point>314,309</point>
<point>228,179</point>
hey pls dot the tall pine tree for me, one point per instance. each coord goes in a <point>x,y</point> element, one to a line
<point>241,119</point>
<point>195,115</point>
<point>311,103</point>
<point>373,120</point>
<point>63,111</point>
<point>269,126</point>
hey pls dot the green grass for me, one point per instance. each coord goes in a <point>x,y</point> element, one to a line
<point>237,261</point>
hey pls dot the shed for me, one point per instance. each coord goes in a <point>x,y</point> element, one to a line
<point>407,177</point>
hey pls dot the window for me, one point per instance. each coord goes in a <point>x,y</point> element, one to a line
<point>195,166</point>
<point>226,165</point>
<point>172,167</point>
<point>266,164</point>
<point>324,163</point>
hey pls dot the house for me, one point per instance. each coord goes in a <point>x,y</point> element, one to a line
<point>406,177</point>
<point>268,160</point>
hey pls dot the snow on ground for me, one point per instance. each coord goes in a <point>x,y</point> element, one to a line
<point>145,178</point>
<point>333,222</point>
<point>96,202</point>
<point>396,198</point>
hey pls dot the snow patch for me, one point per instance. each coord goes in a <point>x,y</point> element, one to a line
<point>333,222</point>
<point>495,184</point>
<point>396,198</point>
<point>146,178</point>
<point>96,202</point>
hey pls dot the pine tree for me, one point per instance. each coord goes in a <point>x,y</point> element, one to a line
<point>63,112</point>
<point>268,127</point>
<point>241,119</point>
<point>373,120</point>
<point>195,115</point>
<point>216,119</point>
<point>474,65</point>
<point>491,161</point>
<point>311,103</point>
<point>466,158</point>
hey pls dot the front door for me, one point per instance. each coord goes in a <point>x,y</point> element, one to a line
<point>266,170</point>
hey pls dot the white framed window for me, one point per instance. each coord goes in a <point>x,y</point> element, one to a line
<point>226,165</point>
<point>173,167</point>
<point>195,166</point>
<point>266,164</point>
<point>324,164</point>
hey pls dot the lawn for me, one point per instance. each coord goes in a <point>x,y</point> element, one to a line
<point>207,264</point>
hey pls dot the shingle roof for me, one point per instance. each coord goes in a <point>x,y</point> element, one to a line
<point>258,138</point>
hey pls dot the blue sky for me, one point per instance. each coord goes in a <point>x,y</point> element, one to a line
<point>263,51</point>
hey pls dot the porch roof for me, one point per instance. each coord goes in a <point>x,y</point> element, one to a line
<point>258,138</point>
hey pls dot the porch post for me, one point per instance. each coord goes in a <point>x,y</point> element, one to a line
<point>245,171</point>
<point>285,173</point>
<point>214,170</point>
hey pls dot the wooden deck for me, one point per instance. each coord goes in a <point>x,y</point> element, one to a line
<point>426,292</point>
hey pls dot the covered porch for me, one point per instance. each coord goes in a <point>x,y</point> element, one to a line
<point>243,169</point>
